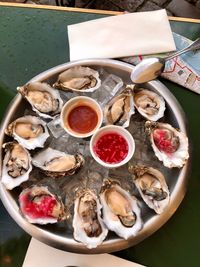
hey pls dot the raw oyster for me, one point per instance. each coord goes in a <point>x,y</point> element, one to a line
<point>55,163</point>
<point>78,79</point>
<point>45,101</point>
<point>87,222</point>
<point>121,212</point>
<point>170,145</point>
<point>152,187</point>
<point>29,131</point>
<point>149,104</point>
<point>16,165</point>
<point>119,110</point>
<point>39,205</point>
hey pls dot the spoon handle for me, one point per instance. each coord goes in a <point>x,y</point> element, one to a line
<point>193,46</point>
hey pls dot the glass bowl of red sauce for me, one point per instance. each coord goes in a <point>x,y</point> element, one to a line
<point>81,116</point>
<point>112,146</point>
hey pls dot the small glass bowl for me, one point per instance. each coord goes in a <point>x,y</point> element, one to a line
<point>113,129</point>
<point>75,102</point>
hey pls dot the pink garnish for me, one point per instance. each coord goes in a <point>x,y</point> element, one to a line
<point>164,141</point>
<point>40,209</point>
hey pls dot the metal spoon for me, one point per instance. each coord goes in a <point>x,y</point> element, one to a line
<point>150,68</point>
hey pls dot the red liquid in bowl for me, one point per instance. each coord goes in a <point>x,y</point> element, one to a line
<point>82,119</point>
<point>111,148</point>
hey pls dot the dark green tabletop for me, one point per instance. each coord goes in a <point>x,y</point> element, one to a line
<point>33,40</point>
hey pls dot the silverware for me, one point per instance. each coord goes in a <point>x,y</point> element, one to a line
<point>150,68</point>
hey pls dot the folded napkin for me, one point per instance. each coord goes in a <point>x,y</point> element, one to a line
<point>120,36</point>
<point>41,255</point>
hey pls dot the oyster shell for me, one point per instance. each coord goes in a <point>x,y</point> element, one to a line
<point>45,100</point>
<point>87,222</point>
<point>29,131</point>
<point>121,212</point>
<point>170,145</point>
<point>149,104</point>
<point>55,163</point>
<point>119,110</point>
<point>152,187</point>
<point>16,165</point>
<point>39,205</point>
<point>78,79</point>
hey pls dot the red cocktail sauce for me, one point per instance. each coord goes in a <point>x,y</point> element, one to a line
<point>111,148</point>
<point>82,119</point>
<point>42,209</point>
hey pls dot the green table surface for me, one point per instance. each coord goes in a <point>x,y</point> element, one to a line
<point>34,40</point>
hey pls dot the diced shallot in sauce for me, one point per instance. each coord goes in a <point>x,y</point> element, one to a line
<point>38,207</point>
<point>165,140</point>
<point>111,148</point>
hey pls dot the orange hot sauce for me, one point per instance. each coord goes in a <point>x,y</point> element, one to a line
<point>82,119</point>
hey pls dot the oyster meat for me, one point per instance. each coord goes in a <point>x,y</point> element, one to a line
<point>55,163</point>
<point>170,145</point>
<point>78,79</point>
<point>87,222</point>
<point>149,104</point>
<point>121,212</point>
<point>119,110</point>
<point>152,187</point>
<point>39,205</point>
<point>29,131</point>
<point>16,165</point>
<point>44,99</point>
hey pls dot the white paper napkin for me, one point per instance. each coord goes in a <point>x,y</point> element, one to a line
<point>41,255</point>
<point>124,35</point>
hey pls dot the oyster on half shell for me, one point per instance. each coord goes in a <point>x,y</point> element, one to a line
<point>149,104</point>
<point>88,225</point>
<point>169,144</point>
<point>79,79</point>
<point>56,164</point>
<point>29,131</point>
<point>121,212</point>
<point>44,99</point>
<point>40,205</point>
<point>16,165</point>
<point>119,110</point>
<point>152,187</point>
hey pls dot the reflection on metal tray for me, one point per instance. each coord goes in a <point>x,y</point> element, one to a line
<point>60,236</point>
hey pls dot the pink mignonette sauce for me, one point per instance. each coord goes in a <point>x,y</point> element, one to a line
<point>111,148</point>
<point>42,209</point>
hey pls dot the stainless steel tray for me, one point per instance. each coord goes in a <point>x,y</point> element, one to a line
<point>152,222</point>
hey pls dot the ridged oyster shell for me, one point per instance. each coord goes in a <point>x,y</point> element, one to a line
<point>44,99</point>
<point>119,110</point>
<point>79,79</point>
<point>40,205</point>
<point>16,165</point>
<point>88,225</point>
<point>29,131</point>
<point>169,144</point>
<point>121,212</point>
<point>152,187</point>
<point>55,163</point>
<point>149,104</point>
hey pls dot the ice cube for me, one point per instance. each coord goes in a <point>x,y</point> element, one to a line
<point>55,127</point>
<point>75,145</point>
<point>113,83</point>
<point>110,87</point>
<point>60,143</point>
<point>94,181</point>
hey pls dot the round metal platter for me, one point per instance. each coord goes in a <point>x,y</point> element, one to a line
<point>55,236</point>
